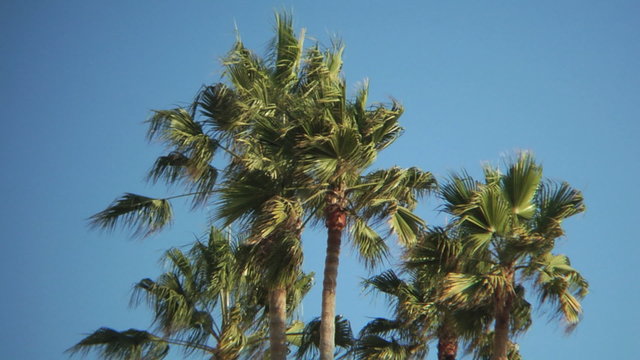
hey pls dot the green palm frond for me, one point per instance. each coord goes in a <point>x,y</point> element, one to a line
<point>287,51</point>
<point>385,129</point>
<point>243,196</point>
<point>382,327</point>
<point>482,348</point>
<point>435,252</point>
<point>180,132</point>
<point>249,76</point>
<point>405,224</point>
<point>374,347</point>
<point>467,290</point>
<point>220,107</point>
<point>557,201</point>
<point>173,306</point>
<point>520,184</point>
<point>277,213</point>
<point>308,348</point>
<point>458,193</point>
<point>387,282</point>
<point>177,168</point>
<point>144,215</point>
<point>130,344</point>
<point>402,185</point>
<point>371,246</point>
<point>561,285</point>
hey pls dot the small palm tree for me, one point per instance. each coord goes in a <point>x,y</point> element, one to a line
<point>511,222</point>
<point>420,314</point>
<point>204,304</point>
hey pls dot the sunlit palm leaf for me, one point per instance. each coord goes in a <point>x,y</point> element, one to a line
<point>405,224</point>
<point>520,184</point>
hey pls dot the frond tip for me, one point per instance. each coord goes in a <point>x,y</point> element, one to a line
<point>144,215</point>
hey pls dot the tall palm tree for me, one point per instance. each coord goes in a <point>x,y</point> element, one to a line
<point>286,119</point>
<point>340,142</point>
<point>512,222</point>
<point>249,119</point>
<point>205,304</point>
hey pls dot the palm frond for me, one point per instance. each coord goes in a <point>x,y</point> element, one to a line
<point>144,215</point>
<point>562,285</point>
<point>520,184</point>
<point>311,338</point>
<point>287,52</point>
<point>371,246</point>
<point>405,224</point>
<point>556,202</point>
<point>177,168</point>
<point>221,110</point>
<point>130,344</point>
<point>374,347</point>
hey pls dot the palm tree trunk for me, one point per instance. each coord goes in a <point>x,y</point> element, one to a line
<point>277,323</point>
<point>335,222</point>
<point>504,299</point>
<point>447,340</point>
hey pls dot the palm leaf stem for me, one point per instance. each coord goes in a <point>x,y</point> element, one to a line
<point>189,194</point>
<point>187,344</point>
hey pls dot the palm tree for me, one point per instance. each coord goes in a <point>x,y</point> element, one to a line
<point>285,119</point>
<point>511,222</point>
<point>205,303</point>
<point>340,142</point>
<point>256,105</point>
<point>420,314</point>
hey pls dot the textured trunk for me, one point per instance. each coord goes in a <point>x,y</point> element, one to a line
<point>335,222</point>
<point>504,300</point>
<point>278,323</point>
<point>447,340</point>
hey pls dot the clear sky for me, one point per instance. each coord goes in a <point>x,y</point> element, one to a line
<point>479,80</point>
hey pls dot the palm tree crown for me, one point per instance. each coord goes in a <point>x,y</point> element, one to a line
<point>511,222</point>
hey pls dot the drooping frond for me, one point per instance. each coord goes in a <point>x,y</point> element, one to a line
<point>556,201</point>
<point>371,247</point>
<point>177,168</point>
<point>144,215</point>
<point>405,224</point>
<point>181,133</point>
<point>560,284</point>
<point>130,344</point>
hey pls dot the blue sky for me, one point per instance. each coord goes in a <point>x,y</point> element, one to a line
<point>479,80</point>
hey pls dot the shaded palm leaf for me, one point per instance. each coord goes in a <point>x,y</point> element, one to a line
<point>130,344</point>
<point>143,214</point>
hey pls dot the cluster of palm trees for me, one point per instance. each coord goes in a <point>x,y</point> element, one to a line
<point>295,152</point>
